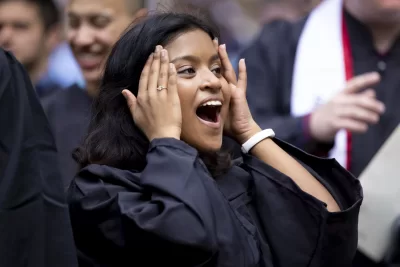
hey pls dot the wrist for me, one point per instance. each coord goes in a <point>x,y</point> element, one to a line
<point>254,129</point>
<point>166,134</point>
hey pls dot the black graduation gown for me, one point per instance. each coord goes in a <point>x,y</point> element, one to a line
<point>68,112</point>
<point>174,214</point>
<point>35,229</point>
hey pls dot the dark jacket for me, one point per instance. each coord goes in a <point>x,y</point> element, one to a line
<point>175,214</point>
<point>35,229</point>
<point>68,112</point>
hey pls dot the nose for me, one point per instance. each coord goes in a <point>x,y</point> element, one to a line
<point>210,81</point>
<point>83,36</point>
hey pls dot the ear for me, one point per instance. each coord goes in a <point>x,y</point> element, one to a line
<point>141,13</point>
<point>53,37</point>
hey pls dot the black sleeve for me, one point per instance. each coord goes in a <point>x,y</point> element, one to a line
<point>269,61</point>
<point>34,222</point>
<point>164,216</point>
<point>298,226</point>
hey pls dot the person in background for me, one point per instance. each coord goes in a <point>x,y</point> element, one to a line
<point>329,83</point>
<point>93,26</point>
<point>290,10</point>
<point>34,220</point>
<point>30,29</point>
<point>63,68</point>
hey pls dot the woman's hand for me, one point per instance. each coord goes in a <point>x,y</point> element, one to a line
<point>240,124</point>
<point>157,110</point>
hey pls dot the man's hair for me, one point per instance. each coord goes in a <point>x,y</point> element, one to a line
<point>49,12</point>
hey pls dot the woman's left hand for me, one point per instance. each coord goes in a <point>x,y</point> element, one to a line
<point>240,124</point>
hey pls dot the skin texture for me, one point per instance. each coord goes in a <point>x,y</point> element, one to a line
<point>375,11</point>
<point>199,76</point>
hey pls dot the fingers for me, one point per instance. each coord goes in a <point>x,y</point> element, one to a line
<point>172,83</point>
<point>144,77</point>
<point>164,69</point>
<point>154,72</point>
<point>216,43</point>
<point>242,80</point>
<point>369,93</point>
<point>365,100</point>
<point>360,114</point>
<point>228,71</point>
<point>361,82</point>
<point>130,99</point>
<point>353,126</point>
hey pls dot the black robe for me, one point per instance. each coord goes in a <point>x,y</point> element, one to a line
<point>174,214</point>
<point>35,229</point>
<point>68,112</point>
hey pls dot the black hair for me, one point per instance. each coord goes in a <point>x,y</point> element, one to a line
<point>49,12</point>
<point>113,138</point>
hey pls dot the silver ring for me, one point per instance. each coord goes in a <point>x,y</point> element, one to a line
<point>160,88</point>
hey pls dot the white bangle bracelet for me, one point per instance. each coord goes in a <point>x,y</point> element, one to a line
<point>257,138</point>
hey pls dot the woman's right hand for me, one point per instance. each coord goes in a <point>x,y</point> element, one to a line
<point>157,112</point>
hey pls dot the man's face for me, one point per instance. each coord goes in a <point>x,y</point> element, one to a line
<point>388,4</point>
<point>22,31</point>
<point>93,28</point>
<point>380,11</point>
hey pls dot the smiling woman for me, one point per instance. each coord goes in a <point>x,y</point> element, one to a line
<point>155,188</point>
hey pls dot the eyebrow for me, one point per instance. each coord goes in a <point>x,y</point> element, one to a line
<point>213,58</point>
<point>99,14</point>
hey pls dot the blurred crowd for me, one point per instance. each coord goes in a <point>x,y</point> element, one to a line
<point>63,45</point>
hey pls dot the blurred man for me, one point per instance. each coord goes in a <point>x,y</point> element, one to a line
<point>34,221</point>
<point>93,28</point>
<point>311,80</point>
<point>30,30</point>
<point>290,10</point>
<point>63,68</point>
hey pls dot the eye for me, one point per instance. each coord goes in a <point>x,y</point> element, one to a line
<point>216,71</point>
<point>21,26</point>
<point>73,22</point>
<point>100,21</point>
<point>187,71</point>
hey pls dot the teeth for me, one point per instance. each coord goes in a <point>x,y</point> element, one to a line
<point>212,103</point>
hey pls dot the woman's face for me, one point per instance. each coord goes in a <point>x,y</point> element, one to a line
<point>203,91</point>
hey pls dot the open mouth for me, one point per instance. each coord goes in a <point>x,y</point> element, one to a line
<point>209,111</point>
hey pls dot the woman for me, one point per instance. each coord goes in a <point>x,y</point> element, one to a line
<point>155,190</point>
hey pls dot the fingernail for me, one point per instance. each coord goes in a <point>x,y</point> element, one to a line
<point>158,48</point>
<point>383,108</point>
<point>223,46</point>
<point>163,53</point>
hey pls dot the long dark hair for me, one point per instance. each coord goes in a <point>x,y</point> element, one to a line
<point>113,138</point>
